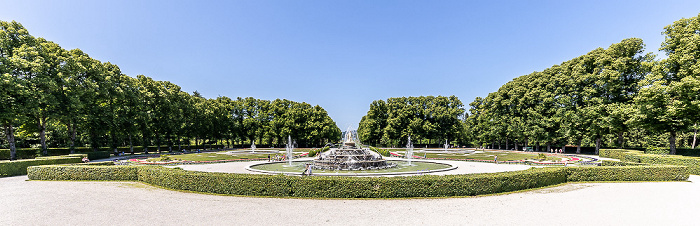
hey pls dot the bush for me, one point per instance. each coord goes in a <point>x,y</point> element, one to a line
<point>315,152</point>
<point>19,167</point>
<point>626,173</point>
<point>657,151</point>
<point>383,152</point>
<point>621,163</point>
<point>693,163</point>
<point>355,187</point>
<point>22,153</point>
<point>351,187</point>
<point>78,172</point>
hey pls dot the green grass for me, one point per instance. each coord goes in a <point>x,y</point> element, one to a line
<point>487,155</point>
<point>213,156</point>
<point>298,167</point>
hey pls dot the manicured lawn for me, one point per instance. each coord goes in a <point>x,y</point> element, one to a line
<point>213,156</point>
<point>487,155</point>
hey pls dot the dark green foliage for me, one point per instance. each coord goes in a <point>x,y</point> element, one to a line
<point>351,187</point>
<point>383,152</point>
<point>621,163</point>
<point>693,163</point>
<point>356,187</point>
<point>626,173</point>
<point>81,172</point>
<point>315,152</point>
<point>22,153</point>
<point>19,167</point>
<point>427,119</point>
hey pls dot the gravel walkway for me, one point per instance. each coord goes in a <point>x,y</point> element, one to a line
<point>462,167</point>
<point>130,203</point>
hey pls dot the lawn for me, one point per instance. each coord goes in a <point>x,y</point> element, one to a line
<point>213,156</point>
<point>487,155</point>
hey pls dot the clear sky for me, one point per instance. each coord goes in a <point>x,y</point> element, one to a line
<point>342,55</point>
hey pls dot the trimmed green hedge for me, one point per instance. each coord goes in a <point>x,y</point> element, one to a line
<point>315,152</point>
<point>356,187</point>
<point>383,152</point>
<point>626,173</point>
<point>19,167</point>
<point>103,152</point>
<point>693,163</point>
<point>350,187</point>
<point>621,163</point>
<point>77,172</point>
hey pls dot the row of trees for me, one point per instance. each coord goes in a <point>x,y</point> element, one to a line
<point>428,120</point>
<point>68,99</point>
<point>616,91</point>
<point>617,96</point>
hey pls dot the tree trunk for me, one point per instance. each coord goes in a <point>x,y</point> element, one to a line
<point>549,147</point>
<point>526,144</point>
<point>620,140</point>
<point>42,135</point>
<point>145,144</point>
<point>578,147</point>
<point>71,131</point>
<point>597,145</point>
<point>516,145</point>
<point>9,131</point>
<point>695,135</point>
<point>507,147</point>
<point>157,143</point>
<point>179,143</point>
<point>131,145</point>
<point>537,147</point>
<point>672,142</point>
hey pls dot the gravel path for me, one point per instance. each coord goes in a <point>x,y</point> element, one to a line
<point>462,167</point>
<point>130,203</point>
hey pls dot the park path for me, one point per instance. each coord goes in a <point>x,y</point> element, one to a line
<point>131,203</point>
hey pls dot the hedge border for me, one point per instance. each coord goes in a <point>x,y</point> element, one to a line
<point>19,167</point>
<point>356,187</point>
<point>633,156</point>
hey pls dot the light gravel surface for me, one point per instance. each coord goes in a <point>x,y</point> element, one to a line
<point>130,203</point>
<point>462,167</point>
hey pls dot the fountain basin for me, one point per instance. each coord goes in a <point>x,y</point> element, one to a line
<point>401,167</point>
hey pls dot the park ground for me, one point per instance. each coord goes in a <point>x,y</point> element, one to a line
<point>130,203</point>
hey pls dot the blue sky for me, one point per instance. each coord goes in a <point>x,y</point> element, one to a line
<point>342,55</point>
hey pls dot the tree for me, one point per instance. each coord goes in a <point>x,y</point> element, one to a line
<point>13,88</point>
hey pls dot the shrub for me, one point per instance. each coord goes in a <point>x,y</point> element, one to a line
<point>621,163</point>
<point>657,151</point>
<point>19,167</point>
<point>78,172</point>
<point>315,152</point>
<point>351,187</point>
<point>383,152</point>
<point>626,173</point>
<point>22,153</point>
<point>693,163</point>
<point>356,187</point>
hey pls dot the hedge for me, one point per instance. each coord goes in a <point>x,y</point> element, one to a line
<point>356,187</point>
<point>693,163</point>
<point>626,173</point>
<point>77,172</point>
<point>103,152</point>
<point>19,167</point>
<point>621,163</point>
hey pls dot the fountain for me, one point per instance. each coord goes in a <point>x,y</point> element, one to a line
<point>446,145</point>
<point>290,148</point>
<point>409,150</point>
<point>349,157</point>
<point>252,147</point>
